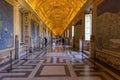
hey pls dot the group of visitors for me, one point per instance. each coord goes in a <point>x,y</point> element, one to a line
<point>56,41</point>
<point>59,41</point>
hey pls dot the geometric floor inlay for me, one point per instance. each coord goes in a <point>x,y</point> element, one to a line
<point>53,71</point>
<point>50,65</point>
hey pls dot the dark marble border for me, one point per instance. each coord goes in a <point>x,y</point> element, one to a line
<point>27,73</point>
<point>58,60</point>
<point>45,61</point>
<point>108,66</point>
<point>33,62</point>
<point>6,63</point>
<point>23,58</point>
<point>82,67</point>
<point>32,65</point>
<point>91,69</point>
<point>78,73</point>
<point>40,69</point>
<point>85,63</point>
<point>21,62</point>
<point>42,52</point>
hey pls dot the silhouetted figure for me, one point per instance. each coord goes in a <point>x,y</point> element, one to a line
<point>63,41</point>
<point>45,41</point>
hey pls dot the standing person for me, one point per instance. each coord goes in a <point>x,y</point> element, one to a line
<point>45,41</point>
<point>63,41</point>
<point>54,44</point>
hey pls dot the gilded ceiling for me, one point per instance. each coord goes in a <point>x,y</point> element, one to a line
<point>56,14</point>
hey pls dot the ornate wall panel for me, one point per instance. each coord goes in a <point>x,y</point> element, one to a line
<point>6,25</point>
<point>34,33</point>
<point>108,25</point>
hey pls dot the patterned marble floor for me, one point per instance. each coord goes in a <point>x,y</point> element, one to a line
<point>55,63</point>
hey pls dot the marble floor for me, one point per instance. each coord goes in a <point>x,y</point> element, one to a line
<point>56,63</point>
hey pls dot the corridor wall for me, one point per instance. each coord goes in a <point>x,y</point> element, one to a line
<point>10,27</point>
<point>107,32</point>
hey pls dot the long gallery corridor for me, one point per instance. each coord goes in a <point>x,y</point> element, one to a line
<point>55,63</point>
<point>59,39</point>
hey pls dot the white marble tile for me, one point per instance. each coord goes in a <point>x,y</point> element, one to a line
<point>54,60</point>
<point>23,66</point>
<point>53,70</point>
<point>61,60</point>
<point>12,74</point>
<point>31,56</point>
<point>54,78</point>
<point>48,60</point>
<point>14,79</point>
<point>22,69</point>
<point>89,78</point>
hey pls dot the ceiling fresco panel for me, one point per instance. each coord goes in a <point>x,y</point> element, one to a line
<point>56,14</point>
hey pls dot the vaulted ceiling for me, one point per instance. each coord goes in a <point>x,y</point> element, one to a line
<point>56,14</point>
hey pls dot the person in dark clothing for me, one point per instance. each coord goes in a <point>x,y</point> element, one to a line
<point>45,41</point>
<point>63,41</point>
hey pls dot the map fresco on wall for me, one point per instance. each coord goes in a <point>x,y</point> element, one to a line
<point>6,25</point>
<point>34,31</point>
<point>108,25</point>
